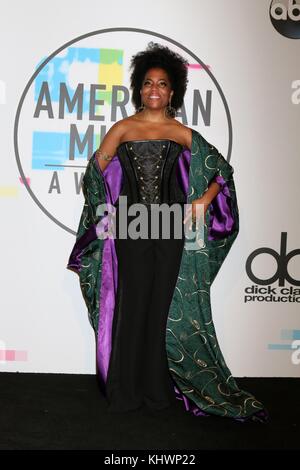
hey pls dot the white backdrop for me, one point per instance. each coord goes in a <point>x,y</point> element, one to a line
<point>43,319</point>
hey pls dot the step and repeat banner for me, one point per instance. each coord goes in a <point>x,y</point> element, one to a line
<point>64,81</point>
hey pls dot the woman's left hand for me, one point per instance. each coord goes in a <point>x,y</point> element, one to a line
<point>191,211</point>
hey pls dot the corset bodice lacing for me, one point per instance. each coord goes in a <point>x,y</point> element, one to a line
<point>150,171</point>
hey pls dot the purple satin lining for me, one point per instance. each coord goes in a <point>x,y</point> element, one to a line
<point>221,224</point>
<point>221,218</point>
<point>112,176</point>
<point>189,405</point>
<point>75,258</point>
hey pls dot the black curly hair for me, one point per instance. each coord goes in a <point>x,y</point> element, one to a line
<point>157,55</point>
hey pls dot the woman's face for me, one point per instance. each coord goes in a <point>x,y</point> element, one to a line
<point>156,89</point>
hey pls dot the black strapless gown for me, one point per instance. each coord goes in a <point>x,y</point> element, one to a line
<point>147,274</point>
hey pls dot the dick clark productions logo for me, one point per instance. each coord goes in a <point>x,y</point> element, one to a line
<point>270,293</point>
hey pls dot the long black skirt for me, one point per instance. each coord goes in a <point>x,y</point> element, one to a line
<point>147,273</point>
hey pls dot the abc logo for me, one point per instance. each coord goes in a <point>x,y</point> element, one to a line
<point>285,17</point>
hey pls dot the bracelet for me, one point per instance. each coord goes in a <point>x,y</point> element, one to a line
<point>103,155</point>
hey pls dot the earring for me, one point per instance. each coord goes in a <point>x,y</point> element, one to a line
<point>169,110</point>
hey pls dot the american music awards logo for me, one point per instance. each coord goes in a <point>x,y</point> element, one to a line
<point>73,98</point>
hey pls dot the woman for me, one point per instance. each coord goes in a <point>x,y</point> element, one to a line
<point>148,296</point>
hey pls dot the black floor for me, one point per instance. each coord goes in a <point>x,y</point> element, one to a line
<point>52,411</point>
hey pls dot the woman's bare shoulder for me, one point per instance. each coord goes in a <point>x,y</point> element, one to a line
<point>184,133</point>
<point>118,126</point>
<point>115,132</point>
<point>121,126</point>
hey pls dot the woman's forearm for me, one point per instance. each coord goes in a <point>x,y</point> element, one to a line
<point>206,199</point>
<point>213,190</point>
